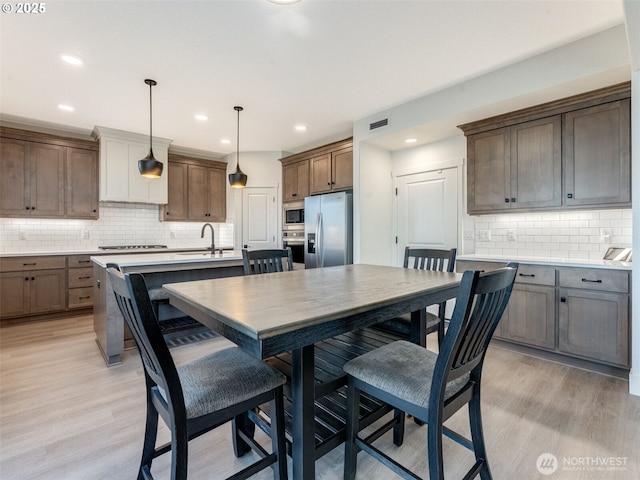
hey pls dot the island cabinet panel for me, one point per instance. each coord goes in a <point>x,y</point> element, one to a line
<point>295,181</point>
<point>597,155</point>
<point>197,190</point>
<point>321,170</point>
<point>571,153</point>
<point>46,176</point>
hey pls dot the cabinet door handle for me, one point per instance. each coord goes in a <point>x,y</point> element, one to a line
<point>83,278</point>
<point>84,261</point>
<point>563,299</point>
<point>328,183</point>
<point>527,275</point>
<point>506,200</point>
<point>294,194</point>
<point>33,208</point>
<point>569,195</point>
<point>513,199</point>
<point>28,208</point>
<point>28,264</point>
<point>586,280</point>
<point>33,278</point>
<point>26,279</point>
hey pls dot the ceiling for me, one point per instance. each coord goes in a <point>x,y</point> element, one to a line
<point>321,63</point>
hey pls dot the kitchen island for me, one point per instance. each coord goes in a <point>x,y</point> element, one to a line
<point>112,336</point>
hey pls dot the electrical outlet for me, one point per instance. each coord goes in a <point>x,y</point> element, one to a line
<point>484,235</point>
<point>172,235</point>
<point>84,235</point>
<point>511,235</point>
<point>605,235</point>
<point>23,235</point>
<point>469,235</point>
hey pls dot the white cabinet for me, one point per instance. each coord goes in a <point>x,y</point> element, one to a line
<point>120,180</point>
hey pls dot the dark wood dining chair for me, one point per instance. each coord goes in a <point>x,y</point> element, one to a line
<point>424,259</point>
<point>267,261</point>
<point>430,386</point>
<point>196,397</point>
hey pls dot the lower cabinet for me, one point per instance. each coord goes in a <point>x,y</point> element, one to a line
<point>530,316</point>
<point>79,281</point>
<point>574,311</point>
<point>32,292</point>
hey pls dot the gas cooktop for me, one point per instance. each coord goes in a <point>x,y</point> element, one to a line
<point>130,247</point>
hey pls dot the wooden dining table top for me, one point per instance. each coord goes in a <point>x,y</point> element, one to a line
<point>264,306</point>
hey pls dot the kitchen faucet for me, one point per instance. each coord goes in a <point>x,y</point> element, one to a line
<point>213,241</point>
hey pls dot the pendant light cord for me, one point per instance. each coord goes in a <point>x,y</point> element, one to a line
<point>238,109</point>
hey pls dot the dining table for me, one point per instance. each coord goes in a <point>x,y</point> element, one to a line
<point>290,311</point>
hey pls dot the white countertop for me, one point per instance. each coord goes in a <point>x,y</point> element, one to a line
<point>558,262</point>
<point>98,251</point>
<point>174,258</point>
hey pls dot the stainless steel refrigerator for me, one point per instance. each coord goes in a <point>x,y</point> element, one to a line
<point>328,230</point>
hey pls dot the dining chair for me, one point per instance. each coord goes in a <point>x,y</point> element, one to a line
<point>430,386</point>
<point>266,261</point>
<point>424,259</point>
<point>196,397</point>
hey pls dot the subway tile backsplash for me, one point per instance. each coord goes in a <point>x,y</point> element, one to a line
<point>119,224</point>
<point>573,235</point>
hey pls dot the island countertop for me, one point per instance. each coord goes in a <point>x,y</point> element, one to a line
<point>170,261</point>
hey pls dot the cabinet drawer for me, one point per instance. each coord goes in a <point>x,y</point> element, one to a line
<point>462,265</point>
<point>80,297</point>
<point>75,261</point>
<point>20,264</point>
<point>536,275</point>
<point>80,277</point>
<point>594,279</point>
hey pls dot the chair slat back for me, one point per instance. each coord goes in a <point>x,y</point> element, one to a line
<point>266,261</point>
<point>430,259</point>
<point>480,303</point>
<point>135,305</point>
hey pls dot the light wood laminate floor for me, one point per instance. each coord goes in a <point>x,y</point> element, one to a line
<point>65,415</point>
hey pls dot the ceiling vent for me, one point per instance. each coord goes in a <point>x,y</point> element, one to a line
<point>378,124</point>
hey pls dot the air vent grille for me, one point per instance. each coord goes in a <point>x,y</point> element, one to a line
<point>380,123</point>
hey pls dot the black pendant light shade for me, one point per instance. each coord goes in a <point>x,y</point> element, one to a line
<point>149,167</point>
<point>238,179</point>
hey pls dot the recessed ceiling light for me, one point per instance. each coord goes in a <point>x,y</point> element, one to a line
<point>300,128</point>
<point>71,59</point>
<point>411,140</point>
<point>225,141</point>
<point>66,108</point>
<point>202,117</point>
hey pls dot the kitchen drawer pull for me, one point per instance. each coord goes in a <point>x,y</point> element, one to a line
<point>586,280</point>
<point>563,299</point>
<point>84,261</point>
<point>527,275</point>
<point>84,298</point>
<point>84,278</point>
<point>28,264</point>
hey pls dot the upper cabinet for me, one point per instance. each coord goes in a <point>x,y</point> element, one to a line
<point>197,190</point>
<point>46,176</point>
<point>324,169</point>
<point>295,180</point>
<point>566,154</point>
<point>597,155</point>
<point>120,180</point>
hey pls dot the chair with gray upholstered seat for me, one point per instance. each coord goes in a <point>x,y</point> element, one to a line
<point>194,398</point>
<point>424,259</point>
<point>267,261</point>
<point>430,386</point>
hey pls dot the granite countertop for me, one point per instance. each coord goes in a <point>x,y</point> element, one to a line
<point>557,262</point>
<point>171,258</point>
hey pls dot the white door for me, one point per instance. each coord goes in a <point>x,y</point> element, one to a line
<point>260,217</point>
<point>427,211</point>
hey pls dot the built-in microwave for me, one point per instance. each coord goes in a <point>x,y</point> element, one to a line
<point>293,216</point>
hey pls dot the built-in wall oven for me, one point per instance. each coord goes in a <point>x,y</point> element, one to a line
<point>293,229</point>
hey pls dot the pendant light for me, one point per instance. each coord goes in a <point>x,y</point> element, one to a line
<point>238,179</point>
<point>149,167</point>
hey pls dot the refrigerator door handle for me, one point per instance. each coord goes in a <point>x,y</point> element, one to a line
<point>319,246</point>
